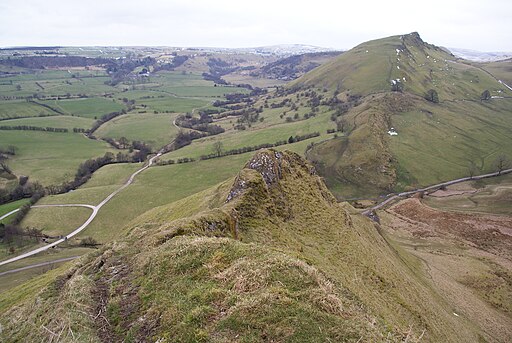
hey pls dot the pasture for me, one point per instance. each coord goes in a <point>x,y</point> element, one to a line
<point>66,122</point>
<point>50,158</point>
<point>87,107</point>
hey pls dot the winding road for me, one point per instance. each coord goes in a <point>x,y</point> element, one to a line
<point>82,227</point>
<point>447,183</point>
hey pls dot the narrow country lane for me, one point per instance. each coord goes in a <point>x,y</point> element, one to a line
<point>82,227</point>
<point>447,183</point>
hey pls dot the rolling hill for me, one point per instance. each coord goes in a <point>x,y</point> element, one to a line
<point>432,100</point>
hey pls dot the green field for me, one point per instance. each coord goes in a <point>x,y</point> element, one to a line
<point>57,221</point>
<point>104,181</point>
<point>50,158</point>
<point>156,130</point>
<point>66,122</point>
<point>22,108</point>
<point>53,83</point>
<point>6,208</point>
<point>88,108</point>
<point>151,101</point>
<point>155,187</point>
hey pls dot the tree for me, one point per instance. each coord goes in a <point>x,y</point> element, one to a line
<point>123,142</point>
<point>23,180</point>
<point>486,95</point>
<point>432,96</point>
<point>217,148</point>
<point>501,163</point>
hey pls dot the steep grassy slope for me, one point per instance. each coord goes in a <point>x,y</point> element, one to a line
<point>436,140</point>
<point>372,66</point>
<point>270,256</point>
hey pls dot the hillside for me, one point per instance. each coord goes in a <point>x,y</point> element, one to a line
<point>293,67</point>
<point>417,66</point>
<point>268,256</point>
<point>385,84</point>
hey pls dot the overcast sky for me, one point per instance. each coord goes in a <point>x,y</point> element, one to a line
<point>473,24</point>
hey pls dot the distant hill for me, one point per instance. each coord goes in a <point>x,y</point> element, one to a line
<point>391,79</point>
<point>293,67</point>
<point>479,56</point>
<point>285,50</point>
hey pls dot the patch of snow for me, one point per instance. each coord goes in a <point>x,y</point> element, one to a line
<point>392,132</point>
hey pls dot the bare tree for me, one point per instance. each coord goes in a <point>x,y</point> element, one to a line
<point>217,148</point>
<point>501,163</point>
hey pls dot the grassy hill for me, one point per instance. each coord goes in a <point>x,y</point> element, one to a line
<point>383,84</point>
<point>268,256</point>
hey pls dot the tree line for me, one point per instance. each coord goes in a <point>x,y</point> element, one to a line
<point>185,138</point>
<point>219,152</point>
<point>51,108</point>
<point>87,168</point>
<point>14,234</point>
<point>203,123</point>
<point>34,128</point>
<point>103,119</point>
<point>22,190</point>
